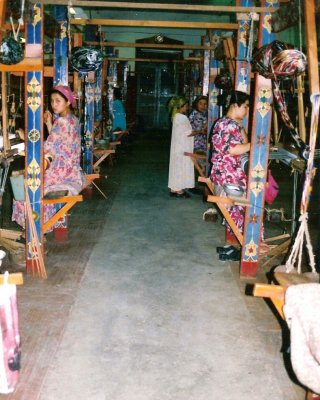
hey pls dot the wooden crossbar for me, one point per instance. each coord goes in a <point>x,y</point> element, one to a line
<point>195,159</point>
<point>208,182</point>
<point>68,201</point>
<point>121,134</point>
<point>276,292</point>
<point>13,279</point>
<point>91,177</point>
<point>102,154</point>
<point>115,143</point>
<point>221,201</point>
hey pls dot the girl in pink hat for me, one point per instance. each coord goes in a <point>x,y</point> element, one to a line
<point>62,151</point>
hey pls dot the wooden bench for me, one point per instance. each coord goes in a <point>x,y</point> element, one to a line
<point>67,201</point>
<point>101,154</point>
<point>276,293</point>
<point>222,202</point>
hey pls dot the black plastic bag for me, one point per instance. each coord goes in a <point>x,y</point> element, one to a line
<point>86,59</point>
<point>11,51</point>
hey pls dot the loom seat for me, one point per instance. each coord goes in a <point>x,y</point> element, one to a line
<point>67,203</point>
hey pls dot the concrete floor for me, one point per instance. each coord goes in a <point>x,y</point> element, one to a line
<point>156,315</point>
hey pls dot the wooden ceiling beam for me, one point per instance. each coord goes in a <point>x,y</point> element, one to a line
<point>186,60</point>
<point>151,45</point>
<point>159,6</point>
<point>155,24</point>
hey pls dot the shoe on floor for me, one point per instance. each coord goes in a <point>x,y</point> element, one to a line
<point>180,195</point>
<point>225,249</point>
<point>230,255</point>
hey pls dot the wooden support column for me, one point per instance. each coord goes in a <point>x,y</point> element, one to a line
<point>60,77</point>
<point>61,48</point>
<point>312,47</point>
<point>104,83</point>
<point>34,129</point>
<point>206,65</point>
<point>112,80</point>
<point>89,88</point>
<point>3,4</point>
<point>259,155</point>
<point>213,108</point>
<point>98,96</point>
<point>243,66</point>
<point>77,41</point>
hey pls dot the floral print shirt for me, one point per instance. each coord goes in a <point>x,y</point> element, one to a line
<point>226,168</point>
<point>198,120</point>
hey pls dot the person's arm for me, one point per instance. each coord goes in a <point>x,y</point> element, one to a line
<point>239,149</point>
<point>200,132</point>
<point>244,135</point>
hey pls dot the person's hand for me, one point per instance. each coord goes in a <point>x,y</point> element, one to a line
<point>48,119</point>
<point>20,133</point>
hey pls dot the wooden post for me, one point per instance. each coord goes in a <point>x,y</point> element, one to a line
<point>4,94</point>
<point>301,116</point>
<point>60,69</point>
<point>89,89</point>
<point>3,4</point>
<point>34,129</point>
<point>259,154</point>
<point>312,48</point>
<point>243,66</point>
<point>77,41</point>
<point>213,108</point>
<point>61,48</point>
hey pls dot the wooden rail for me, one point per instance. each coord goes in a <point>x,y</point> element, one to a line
<point>159,6</point>
<point>155,24</point>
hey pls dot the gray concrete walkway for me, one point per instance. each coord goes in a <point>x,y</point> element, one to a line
<point>157,315</point>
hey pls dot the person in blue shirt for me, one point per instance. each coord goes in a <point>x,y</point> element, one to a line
<point>119,122</point>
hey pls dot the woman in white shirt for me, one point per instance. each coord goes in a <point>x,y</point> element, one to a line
<point>181,169</point>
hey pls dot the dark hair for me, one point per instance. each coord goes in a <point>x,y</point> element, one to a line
<point>234,97</point>
<point>237,97</point>
<point>117,93</point>
<point>196,101</point>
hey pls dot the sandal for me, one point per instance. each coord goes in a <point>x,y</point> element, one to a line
<point>230,255</point>
<point>226,248</point>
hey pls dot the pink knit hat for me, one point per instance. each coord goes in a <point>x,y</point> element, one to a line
<point>67,92</point>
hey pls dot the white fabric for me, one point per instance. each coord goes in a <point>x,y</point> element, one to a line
<point>181,169</point>
<point>302,313</point>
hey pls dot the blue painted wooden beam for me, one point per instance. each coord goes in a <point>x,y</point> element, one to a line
<point>34,130</point>
<point>243,66</point>
<point>213,108</point>
<point>259,154</point>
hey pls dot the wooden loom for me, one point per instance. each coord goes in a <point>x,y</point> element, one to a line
<point>223,202</point>
<point>195,158</point>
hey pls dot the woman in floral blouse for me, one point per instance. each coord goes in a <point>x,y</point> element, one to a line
<point>199,122</point>
<point>229,141</point>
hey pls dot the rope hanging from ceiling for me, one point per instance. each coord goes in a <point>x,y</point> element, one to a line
<point>303,232</point>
